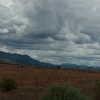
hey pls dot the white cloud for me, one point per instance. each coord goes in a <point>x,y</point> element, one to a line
<point>6,3</point>
<point>3,31</point>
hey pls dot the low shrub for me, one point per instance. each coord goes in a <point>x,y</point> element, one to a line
<point>63,92</point>
<point>8,85</point>
<point>96,91</point>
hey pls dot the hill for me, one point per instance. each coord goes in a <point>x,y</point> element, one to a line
<point>25,59</point>
<point>20,59</point>
<point>76,66</point>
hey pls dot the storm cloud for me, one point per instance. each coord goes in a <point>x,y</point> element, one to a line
<point>55,31</point>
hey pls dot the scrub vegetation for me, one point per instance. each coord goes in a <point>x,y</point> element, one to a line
<point>37,83</point>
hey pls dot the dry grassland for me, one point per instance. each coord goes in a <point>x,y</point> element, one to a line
<point>34,80</point>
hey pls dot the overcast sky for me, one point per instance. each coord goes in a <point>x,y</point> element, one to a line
<point>54,31</point>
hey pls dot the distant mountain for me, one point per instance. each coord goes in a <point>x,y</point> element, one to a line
<point>76,66</point>
<point>20,59</point>
<point>12,61</point>
<point>25,59</point>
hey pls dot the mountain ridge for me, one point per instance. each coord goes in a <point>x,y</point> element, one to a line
<point>19,58</point>
<point>14,58</point>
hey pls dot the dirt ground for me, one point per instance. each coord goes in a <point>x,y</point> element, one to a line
<point>34,81</point>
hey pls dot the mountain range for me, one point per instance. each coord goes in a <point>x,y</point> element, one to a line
<point>20,59</point>
<point>27,60</point>
<point>77,66</point>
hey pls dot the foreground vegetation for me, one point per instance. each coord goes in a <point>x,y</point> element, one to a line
<point>63,92</point>
<point>58,91</point>
<point>8,85</point>
<point>35,83</point>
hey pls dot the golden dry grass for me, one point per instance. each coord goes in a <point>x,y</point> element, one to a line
<point>31,74</point>
<point>34,80</point>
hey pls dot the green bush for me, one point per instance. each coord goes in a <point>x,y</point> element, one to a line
<point>96,91</point>
<point>8,85</point>
<point>63,92</point>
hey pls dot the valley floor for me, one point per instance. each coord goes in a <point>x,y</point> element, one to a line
<point>34,81</point>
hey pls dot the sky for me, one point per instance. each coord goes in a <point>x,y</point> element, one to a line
<point>54,31</point>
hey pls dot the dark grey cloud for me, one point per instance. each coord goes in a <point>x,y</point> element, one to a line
<point>56,31</point>
<point>44,19</point>
<point>93,32</point>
